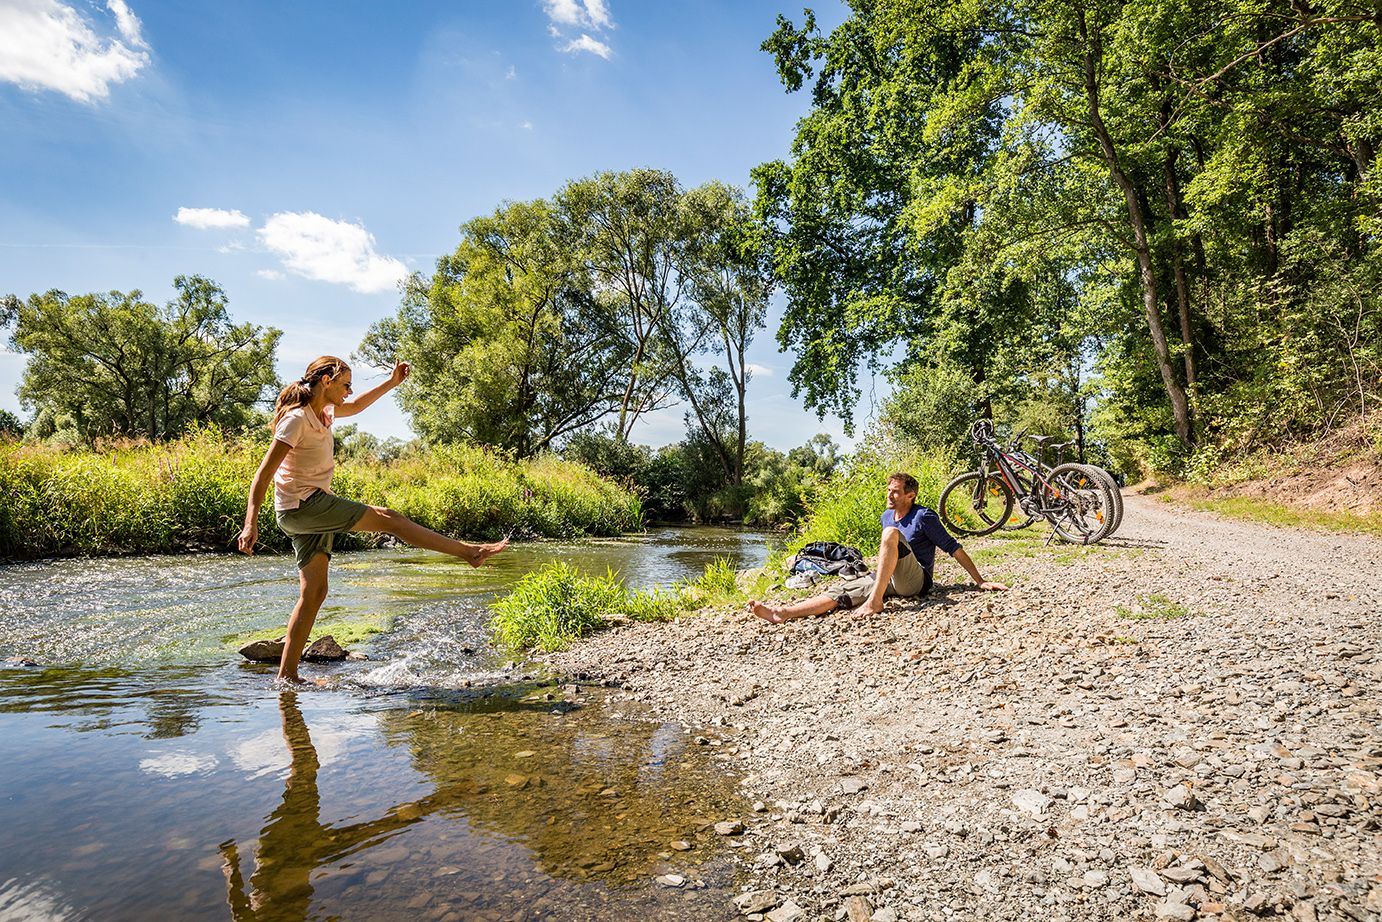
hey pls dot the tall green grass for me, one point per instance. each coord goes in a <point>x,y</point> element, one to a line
<point>191,495</point>
<point>847,507</point>
<point>557,603</point>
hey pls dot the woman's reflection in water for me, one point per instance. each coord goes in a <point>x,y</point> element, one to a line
<point>294,843</point>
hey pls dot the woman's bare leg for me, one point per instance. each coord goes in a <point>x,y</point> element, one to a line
<point>379,519</point>
<point>311,594</point>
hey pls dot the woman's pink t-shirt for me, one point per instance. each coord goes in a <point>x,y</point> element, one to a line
<point>308,466</point>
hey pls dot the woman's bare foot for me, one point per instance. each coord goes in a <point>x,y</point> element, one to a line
<point>294,679</point>
<point>481,552</point>
<point>766,612</point>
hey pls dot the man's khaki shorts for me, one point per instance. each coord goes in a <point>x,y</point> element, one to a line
<point>315,524</point>
<point>909,578</point>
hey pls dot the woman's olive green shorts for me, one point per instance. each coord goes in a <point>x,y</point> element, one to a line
<point>314,524</point>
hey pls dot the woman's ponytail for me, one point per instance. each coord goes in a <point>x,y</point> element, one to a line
<point>299,393</point>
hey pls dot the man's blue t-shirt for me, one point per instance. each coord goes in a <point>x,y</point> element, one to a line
<point>924,533</point>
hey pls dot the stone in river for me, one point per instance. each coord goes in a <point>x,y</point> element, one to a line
<point>671,880</point>
<point>324,650</point>
<point>264,651</point>
<point>729,828</point>
<point>681,846</point>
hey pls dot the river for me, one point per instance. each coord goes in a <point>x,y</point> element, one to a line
<point>149,773</point>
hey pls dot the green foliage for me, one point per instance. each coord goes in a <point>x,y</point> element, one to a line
<point>104,365</point>
<point>10,426</point>
<point>553,315</point>
<point>1031,192</point>
<point>556,604</point>
<point>191,495</point>
<point>847,507</point>
<point>931,408</point>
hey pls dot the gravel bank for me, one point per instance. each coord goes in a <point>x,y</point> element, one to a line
<point>1040,754</point>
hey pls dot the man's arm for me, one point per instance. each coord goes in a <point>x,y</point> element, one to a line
<point>964,560</point>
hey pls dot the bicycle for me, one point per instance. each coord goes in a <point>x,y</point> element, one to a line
<point>1070,497</point>
<point>1096,473</point>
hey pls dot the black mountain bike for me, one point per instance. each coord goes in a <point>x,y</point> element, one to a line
<point>1075,502</point>
<point>1046,448</point>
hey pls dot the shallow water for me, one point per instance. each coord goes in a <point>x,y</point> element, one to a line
<point>149,775</point>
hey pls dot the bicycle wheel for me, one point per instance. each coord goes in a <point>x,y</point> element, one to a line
<point>1115,494</point>
<point>1079,507</point>
<point>974,504</point>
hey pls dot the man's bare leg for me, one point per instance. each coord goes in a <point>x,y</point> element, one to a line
<point>816,605</point>
<point>887,563</point>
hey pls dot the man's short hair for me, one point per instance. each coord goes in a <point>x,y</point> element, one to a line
<point>909,483</point>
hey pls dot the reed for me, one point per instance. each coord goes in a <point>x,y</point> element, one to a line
<point>190,495</point>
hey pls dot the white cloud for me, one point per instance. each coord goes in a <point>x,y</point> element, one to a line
<point>272,275</point>
<point>585,15</point>
<point>319,248</point>
<point>204,218</point>
<point>565,12</point>
<point>526,125</point>
<point>760,371</point>
<point>586,43</point>
<point>48,45</point>
<point>597,14</point>
<point>512,73</point>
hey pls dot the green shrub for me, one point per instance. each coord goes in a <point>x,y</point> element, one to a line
<point>191,494</point>
<point>846,508</point>
<point>556,604</point>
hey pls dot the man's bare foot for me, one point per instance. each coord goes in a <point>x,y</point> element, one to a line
<point>289,680</point>
<point>482,552</point>
<point>766,612</point>
<point>865,611</point>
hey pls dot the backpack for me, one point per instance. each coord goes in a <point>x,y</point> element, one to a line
<point>828,558</point>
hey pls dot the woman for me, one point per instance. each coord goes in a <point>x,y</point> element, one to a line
<point>299,464</point>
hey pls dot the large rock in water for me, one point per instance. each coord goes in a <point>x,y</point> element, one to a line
<point>322,650</point>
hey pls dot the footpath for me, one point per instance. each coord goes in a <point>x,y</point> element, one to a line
<point>1183,724</point>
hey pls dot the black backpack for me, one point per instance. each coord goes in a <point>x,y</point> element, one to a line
<point>828,558</point>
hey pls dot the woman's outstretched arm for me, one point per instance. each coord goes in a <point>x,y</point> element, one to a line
<point>351,407</point>
<point>259,488</point>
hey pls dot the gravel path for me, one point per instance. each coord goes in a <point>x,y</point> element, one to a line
<point>1042,754</point>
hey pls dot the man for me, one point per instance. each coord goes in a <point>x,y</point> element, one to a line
<point>906,556</point>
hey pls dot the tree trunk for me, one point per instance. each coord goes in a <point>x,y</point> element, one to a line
<point>1180,406</point>
<point>1178,267</point>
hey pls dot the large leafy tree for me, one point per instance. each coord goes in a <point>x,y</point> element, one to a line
<point>509,345</point>
<point>117,365</point>
<point>620,295</point>
<point>1004,185</point>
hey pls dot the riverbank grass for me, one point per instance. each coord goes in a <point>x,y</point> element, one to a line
<point>557,603</point>
<point>190,495</point>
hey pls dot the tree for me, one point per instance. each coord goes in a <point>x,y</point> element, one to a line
<point>510,347</point>
<point>727,304</point>
<point>1029,185</point>
<point>117,365</point>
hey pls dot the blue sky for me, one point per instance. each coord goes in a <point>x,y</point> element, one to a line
<point>305,154</point>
